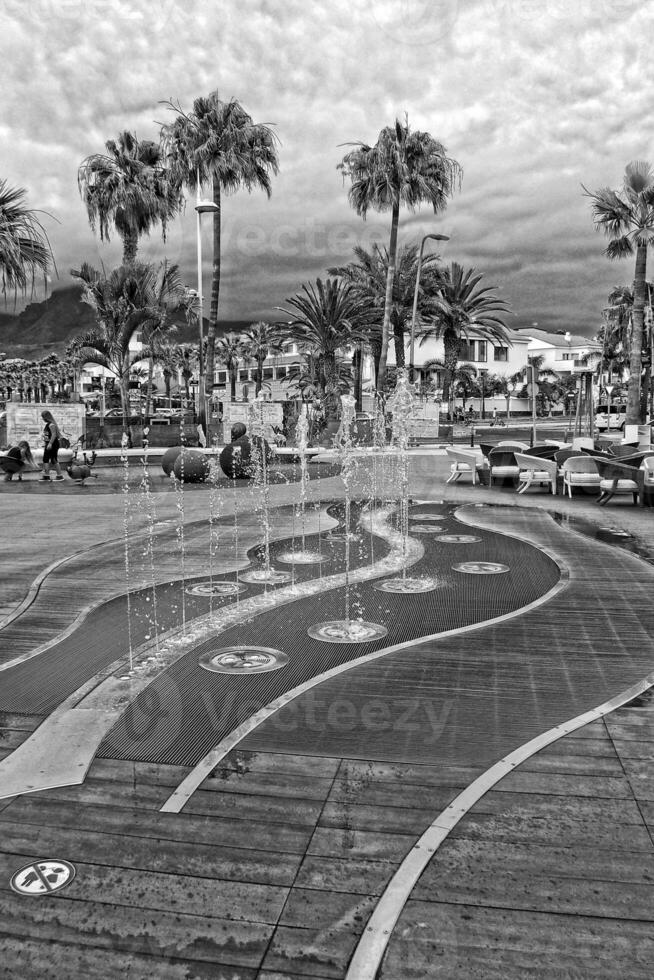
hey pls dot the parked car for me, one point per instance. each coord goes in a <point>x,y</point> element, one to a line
<point>618,417</point>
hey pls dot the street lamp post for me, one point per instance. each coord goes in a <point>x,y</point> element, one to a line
<point>202,207</point>
<point>436,238</point>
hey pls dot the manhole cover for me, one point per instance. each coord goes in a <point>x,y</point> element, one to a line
<point>347,631</point>
<point>215,589</point>
<point>407,586</point>
<point>42,877</point>
<point>265,576</point>
<point>457,538</point>
<point>243,660</point>
<point>481,567</point>
<point>301,558</point>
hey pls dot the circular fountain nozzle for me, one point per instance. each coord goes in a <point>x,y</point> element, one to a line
<point>347,631</point>
<point>243,660</point>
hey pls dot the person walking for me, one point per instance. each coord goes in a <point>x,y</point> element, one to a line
<point>51,437</point>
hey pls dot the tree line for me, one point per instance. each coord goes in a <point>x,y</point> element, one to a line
<point>136,185</point>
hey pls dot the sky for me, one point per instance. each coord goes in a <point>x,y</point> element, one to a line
<point>532,97</point>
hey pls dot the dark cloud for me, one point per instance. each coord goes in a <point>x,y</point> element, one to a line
<point>532,98</point>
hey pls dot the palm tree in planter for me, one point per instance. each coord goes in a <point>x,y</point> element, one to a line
<point>403,167</point>
<point>627,219</point>
<point>218,143</point>
<point>130,188</point>
<point>462,307</point>
<point>260,341</point>
<point>121,304</point>
<point>325,321</point>
<point>24,247</point>
<point>229,353</point>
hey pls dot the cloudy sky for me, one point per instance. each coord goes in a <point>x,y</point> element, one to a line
<point>532,97</point>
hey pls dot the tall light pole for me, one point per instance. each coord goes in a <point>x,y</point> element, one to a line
<point>202,207</point>
<point>436,238</point>
<point>510,388</point>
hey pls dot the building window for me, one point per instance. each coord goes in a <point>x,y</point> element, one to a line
<point>567,357</point>
<point>473,350</point>
<point>501,353</point>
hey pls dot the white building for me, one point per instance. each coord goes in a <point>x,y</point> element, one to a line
<point>563,352</point>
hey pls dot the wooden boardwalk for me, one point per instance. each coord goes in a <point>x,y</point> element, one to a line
<point>272,870</point>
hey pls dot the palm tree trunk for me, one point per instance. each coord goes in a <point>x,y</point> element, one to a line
<point>148,395</point>
<point>124,399</point>
<point>388,299</point>
<point>130,247</point>
<point>451,350</point>
<point>215,296</point>
<point>636,353</point>
<point>398,339</point>
<point>357,366</point>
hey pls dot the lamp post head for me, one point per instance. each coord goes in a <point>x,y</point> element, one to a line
<point>205,207</point>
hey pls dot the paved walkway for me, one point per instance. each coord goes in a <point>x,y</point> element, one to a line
<point>274,867</point>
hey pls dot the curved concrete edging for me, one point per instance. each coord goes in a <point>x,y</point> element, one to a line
<point>180,796</point>
<point>370,950</point>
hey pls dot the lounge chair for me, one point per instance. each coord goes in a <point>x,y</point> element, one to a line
<point>502,464</point>
<point>620,478</point>
<point>536,469</point>
<point>464,462</point>
<point>583,442</point>
<point>580,472</point>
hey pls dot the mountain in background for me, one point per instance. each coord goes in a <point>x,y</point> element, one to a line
<point>47,327</point>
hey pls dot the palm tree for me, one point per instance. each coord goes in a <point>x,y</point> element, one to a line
<point>260,341</point>
<point>24,247</point>
<point>462,381</point>
<point>403,167</point>
<point>186,359</point>
<point>166,356</point>
<point>229,352</point>
<point>462,306</point>
<point>616,338</point>
<point>369,275</point>
<point>627,219</point>
<point>325,321</point>
<point>122,304</point>
<point>165,294</point>
<point>130,188</point>
<point>218,143</point>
